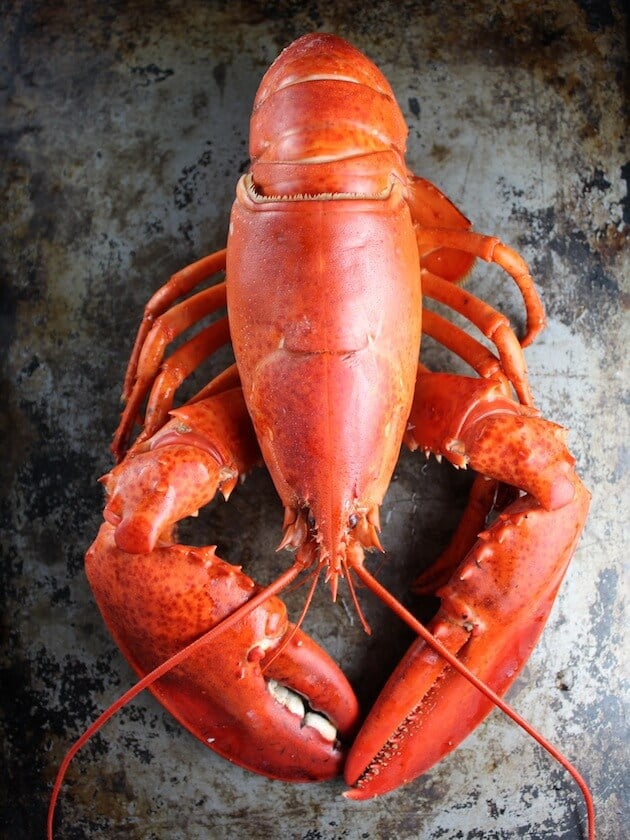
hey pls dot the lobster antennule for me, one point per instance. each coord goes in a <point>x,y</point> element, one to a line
<point>356,535</point>
<point>336,542</point>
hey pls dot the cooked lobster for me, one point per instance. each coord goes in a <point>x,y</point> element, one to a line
<point>332,246</point>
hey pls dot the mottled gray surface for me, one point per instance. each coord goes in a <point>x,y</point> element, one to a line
<point>123,131</point>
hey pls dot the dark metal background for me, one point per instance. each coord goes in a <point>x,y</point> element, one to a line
<point>123,130</point>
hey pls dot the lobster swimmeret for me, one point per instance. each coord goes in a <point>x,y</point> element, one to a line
<point>332,245</point>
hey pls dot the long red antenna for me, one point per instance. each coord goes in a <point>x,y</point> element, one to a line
<point>418,628</point>
<point>273,589</point>
<point>297,625</point>
<point>244,610</point>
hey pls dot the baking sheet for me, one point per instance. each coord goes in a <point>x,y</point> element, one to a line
<point>123,134</point>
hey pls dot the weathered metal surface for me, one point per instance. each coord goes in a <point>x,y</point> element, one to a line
<point>124,129</point>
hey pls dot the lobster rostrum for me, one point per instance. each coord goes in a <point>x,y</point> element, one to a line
<point>332,245</point>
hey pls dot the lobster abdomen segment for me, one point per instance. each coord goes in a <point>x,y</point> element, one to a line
<point>322,97</point>
<point>325,120</point>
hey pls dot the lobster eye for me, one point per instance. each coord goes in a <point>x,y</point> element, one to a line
<point>353,521</point>
<point>310,521</point>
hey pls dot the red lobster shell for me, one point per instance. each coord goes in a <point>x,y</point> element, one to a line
<point>333,244</point>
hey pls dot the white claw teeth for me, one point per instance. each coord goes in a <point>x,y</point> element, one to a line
<point>322,724</point>
<point>276,690</point>
<point>294,704</point>
<point>289,699</point>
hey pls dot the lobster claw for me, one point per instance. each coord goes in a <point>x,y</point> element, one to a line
<point>261,693</point>
<point>496,603</point>
<point>155,604</point>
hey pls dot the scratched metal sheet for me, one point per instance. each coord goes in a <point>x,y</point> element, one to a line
<point>124,129</point>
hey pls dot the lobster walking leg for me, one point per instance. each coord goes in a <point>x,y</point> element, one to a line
<point>491,249</point>
<point>494,325</point>
<point>156,331</point>
<point>497,601</point>
<point>432,209</point>
<point>442,232</point>
<point>224,381</point>
<point>473,352</point>
<point>182,282</point>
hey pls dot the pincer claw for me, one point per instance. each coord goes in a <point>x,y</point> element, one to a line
<point>223,694</point>
<point>499,593</point>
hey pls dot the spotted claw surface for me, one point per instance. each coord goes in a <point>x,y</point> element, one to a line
<point>287,722</point>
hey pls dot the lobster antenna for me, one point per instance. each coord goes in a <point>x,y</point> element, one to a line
<point>355,599</point>
<point>285,579</point>
<point>418,628</point>
<point>298,623</point>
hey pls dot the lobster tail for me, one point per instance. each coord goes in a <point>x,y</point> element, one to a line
<point>324,104</point>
